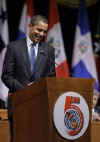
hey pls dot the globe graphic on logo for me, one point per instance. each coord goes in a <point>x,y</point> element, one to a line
<point>72,120</point>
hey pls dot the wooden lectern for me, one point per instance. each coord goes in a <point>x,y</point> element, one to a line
<point>33,109</point>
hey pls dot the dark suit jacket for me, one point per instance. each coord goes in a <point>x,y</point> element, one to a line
<point>16,69</point>
<point>97,109</point>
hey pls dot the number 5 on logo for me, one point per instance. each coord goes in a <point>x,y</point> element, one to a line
<point>73,118</point>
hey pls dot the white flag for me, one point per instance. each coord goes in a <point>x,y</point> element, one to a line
<point>4,39</point>
<point>27,13</point>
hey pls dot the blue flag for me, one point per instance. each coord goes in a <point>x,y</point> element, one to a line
<point>83,63</point>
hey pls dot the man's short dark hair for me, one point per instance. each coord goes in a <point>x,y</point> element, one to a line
<point>35,19</point>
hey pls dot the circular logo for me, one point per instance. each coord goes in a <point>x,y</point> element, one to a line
<point>71,115</point>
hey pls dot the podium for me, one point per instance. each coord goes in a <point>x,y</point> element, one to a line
<point>33,108</point>
<point>95,135</point>
<point>4,131</point>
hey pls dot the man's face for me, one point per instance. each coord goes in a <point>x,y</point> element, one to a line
<point>38,32</point>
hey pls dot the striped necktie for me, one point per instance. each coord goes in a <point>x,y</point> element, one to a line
<point>32,57</point>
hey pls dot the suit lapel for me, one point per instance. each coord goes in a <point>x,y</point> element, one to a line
<point>40,58</point>
<point>26,58</point>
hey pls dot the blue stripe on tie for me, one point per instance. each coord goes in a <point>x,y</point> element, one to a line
<point>32,58</point>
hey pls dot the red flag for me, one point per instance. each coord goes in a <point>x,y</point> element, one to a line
<point>54,37</point>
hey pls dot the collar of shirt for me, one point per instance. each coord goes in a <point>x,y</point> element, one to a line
<point>29,44</point>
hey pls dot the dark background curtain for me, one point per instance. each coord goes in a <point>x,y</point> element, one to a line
<point>68,19</point>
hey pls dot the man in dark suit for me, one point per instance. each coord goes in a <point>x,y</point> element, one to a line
<point>16,72</point>
<point>17,66</point>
